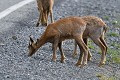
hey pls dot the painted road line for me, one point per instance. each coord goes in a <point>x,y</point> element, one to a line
<point>13,8</point>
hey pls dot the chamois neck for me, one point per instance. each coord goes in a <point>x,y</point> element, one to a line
<point>41,41</point>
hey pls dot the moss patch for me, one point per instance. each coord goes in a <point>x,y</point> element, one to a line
<point>106,17</point>
<point>90,42</point>
<point>113,34</point>
<point>103,77</point>
<point>116,23</point>
<point>115,55</point>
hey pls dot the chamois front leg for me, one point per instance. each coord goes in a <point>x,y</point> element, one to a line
<point>81,51</point>
<point>61,52</point>
<point>75,49</point>
<point>39,20</point>
<point>55,45</point>
<point>81,56</point>
<point>81,44</point>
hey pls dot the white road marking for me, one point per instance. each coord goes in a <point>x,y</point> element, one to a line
<point>13,8</point>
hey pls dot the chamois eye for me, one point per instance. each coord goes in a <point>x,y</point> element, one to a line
<point>29,46</point>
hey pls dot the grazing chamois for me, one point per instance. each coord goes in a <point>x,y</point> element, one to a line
<point>77,28</point>
<point>55,33</point>
<point>95,29</point>
<point>45,8</point>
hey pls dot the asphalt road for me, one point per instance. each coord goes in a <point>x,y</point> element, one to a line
<point>4,4</point>
<point>14,38</point>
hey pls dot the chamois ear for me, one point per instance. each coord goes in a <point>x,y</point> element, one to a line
<point>37,41</point>
<point>31,40</point>
<point>29,43</point>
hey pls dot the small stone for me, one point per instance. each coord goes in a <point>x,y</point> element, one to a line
<point>14,37</point>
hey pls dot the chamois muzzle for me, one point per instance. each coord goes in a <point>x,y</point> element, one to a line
<point>31,47</point>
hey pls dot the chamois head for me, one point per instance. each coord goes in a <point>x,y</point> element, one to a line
<point>32,47</point>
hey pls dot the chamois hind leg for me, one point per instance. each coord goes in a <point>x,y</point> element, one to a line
<point>98,42</point>
<point>39,19</point>
<point>51,16</point>
<point>82,45</point>
<point>61,52</point>
<point>75,50</point>
<point>103,41</point>
<point>47,14</point>
<point>89,53</point>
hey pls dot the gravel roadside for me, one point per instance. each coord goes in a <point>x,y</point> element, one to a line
<point>16,65</point>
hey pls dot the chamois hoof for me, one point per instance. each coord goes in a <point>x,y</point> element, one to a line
<point>74,55</point>
<point>53,59</point>
<point>37,24</point>
<point>101,64</point>
<point>89,59</point>
<point>83,65</point>
<point>77,64</point>
<point>62,61</point>
<point>44,24</point>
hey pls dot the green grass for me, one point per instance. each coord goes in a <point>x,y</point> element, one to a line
<point>115,55</point>
<point>106,17</point>
<point>103,77</point>
<point>90,44</point>
<point>116,45</point>
<point>113,34</point>
<point>116,23</point>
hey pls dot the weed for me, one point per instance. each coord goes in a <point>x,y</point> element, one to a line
<point>106,17</point>
<point>113,34</point>
<point>116,23</point>
<point>114,55</point>
<point>90,42</point>
<point>103,77</point>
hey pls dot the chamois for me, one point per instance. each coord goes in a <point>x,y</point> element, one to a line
<point>95,29</point>
<point>55,33</point>
<point>77,28</point>
<point>45,8</point>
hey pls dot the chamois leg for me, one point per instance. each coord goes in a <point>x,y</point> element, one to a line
<point>55,44</point>
<point>89,53</point>
<point>82,45</point>
<point>98,42</point>
<point>51,16</point>
<point>38,22</point>
<point>81,55</point>
<point>47,17</point>
<point>103,41</point>
<point>75,49</point>
<point>61,52</point>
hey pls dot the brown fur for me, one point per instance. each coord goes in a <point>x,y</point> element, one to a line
<point>77,28</point>
<point>45,8</point>
<point>95,29</point>
<point>66,28</point>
